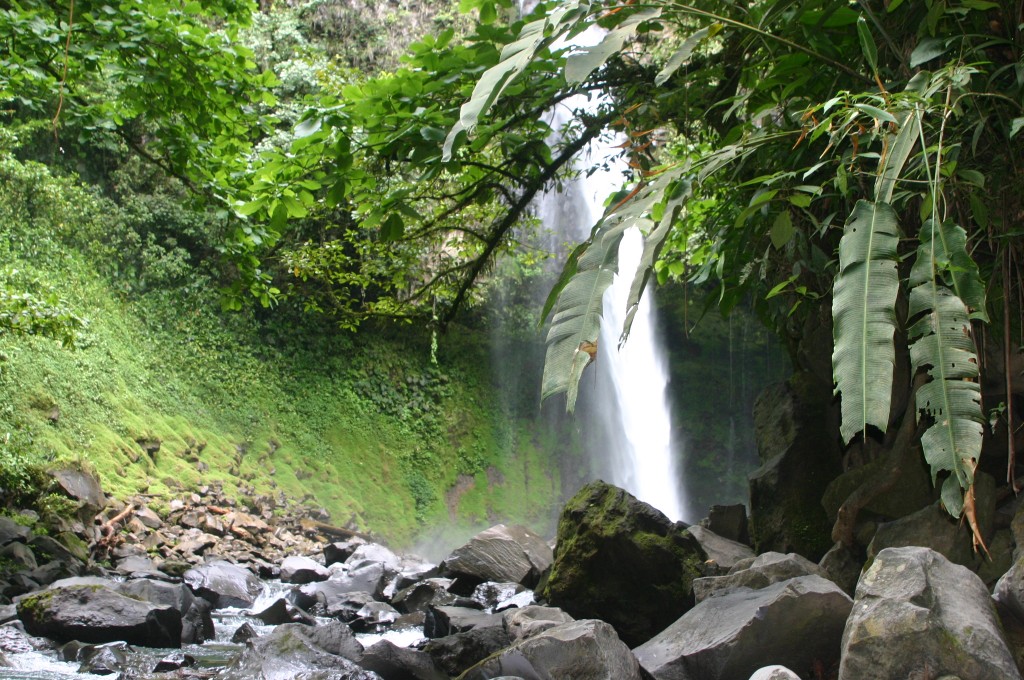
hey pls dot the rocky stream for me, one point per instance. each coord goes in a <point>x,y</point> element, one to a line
<point>272,590</point>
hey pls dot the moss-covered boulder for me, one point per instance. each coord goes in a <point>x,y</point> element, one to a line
<point>620,560</point>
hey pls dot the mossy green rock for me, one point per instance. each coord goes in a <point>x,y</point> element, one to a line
<point>622,561</point>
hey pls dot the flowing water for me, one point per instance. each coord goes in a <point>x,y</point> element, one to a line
<point>624,411</point>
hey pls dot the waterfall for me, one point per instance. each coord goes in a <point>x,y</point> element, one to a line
<point>624,407</point>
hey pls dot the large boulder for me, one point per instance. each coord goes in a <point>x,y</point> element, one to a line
<point>455,653</point>
<point>622,561</point>
<point>196,622</point>
<point>501,553</point>
<point>83,487</point>
<point>756,573</point>
<point>293,650</point>
<point>578,650</point>
<point>532,620</point>
<point>929,527</point>
<point>392,662</point>
<point>223,584</point>
<point>298,569</point>
<point>93,613</point>
<point>723,554</point>
<point>917,613</point>
<point>444,621</point>
<point>794,623</point>
<point>799,457</point>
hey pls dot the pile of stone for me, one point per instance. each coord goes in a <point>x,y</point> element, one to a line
<point>625,595</point>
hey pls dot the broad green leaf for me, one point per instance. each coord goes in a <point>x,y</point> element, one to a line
<point>928,49</point>
<point>587,59</point>
<point>1015,126</point>
<point>782,230</point>
<point>863,317</point>
<point>899,148</point>
<point>943,254</point>
<point>682,55</point>
<point>867,44</point>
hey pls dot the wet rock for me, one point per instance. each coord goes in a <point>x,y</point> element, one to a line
<point>293,649</point>
<point>49,548</point>
<point>444,621</point>
<point>1009,591</point>
<point>104,659</point>
<point>455,653</point>
<point>98,614</point>
<point>399,663</point>
<point>916,612</point>
<point>761,571</point>
<point>490,594</point>
<point>368,553</point>
<point>578,650</point>
<point>532,620</point>
<point>281,611</point>
<point>244,633</point>
<point>148,518</point>
<point>136,564</point>
<point>370,617</point>
<point>622,561</point>
<point>19,555</point>
<point>501,553</point>
<point>174,661</point>
<point>223,584</point>
<point>723,554</point>
<point>930,527</point>
<point>795,623</point>
<point>300,570</point>
<point>843,566</point>
<point>196,623</point>
<point>774,673</point>
<point>419,597</point>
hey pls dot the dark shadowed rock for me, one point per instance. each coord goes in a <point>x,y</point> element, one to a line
<point>455,653</point>
<point>729,521</point>
<point>929,527</point>
<point>373,552</point>
<point>761,571</point>
<point>281,611</point>
<point>12,531</point>
<point>174,661</point>
<point>293,650</point>
<point>399,663</point>
<point>98,614</point>
<point>1009,590</point>
<point>532,620</point>
<point>106,659</point>
<point>622,561</point>
<point>501,553</point>
<point>578,650</point>
<point>341,550</point>
<point>917,613</point>
<point>443,621</point>
<point>223,584</point>
<point>490,594</point>
<point>82,487</point>
<point>244,633</point>
<point>299,570</point>
<point>794,623</point>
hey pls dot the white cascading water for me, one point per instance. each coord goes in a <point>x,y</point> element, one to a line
<point>624,405</point>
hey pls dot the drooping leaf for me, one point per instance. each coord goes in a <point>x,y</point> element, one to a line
<point>587,59</point>
<point>943,254</point>
<point>899,147</point>
<point>680,56</point>
<point>863,317</point>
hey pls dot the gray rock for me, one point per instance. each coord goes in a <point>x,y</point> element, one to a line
<point>223,584</point>
<point>341,550</point>
<point>136,564</point>
<point>794,623</point>
<point>419,597</point>
<point>532,620</point>
<point>444,621</point>
<point>51,549</point>
<point>578,650</point>
<point>455,653</point>
<point>20,555</point>
<point>1009,590</point>
<point>196,622</point>
<point>372,616</point>
<point>11,531</point>
<point>98,614</point>
<point>774,673</point>
<point>333,594</point>
<point>280,611</point>
<point>299,570</point>
<point>501,553</point>
<point>294,650</point>
<point>373,552</point>
<point>729,521</point>
<point>930,527</point>
<point>622,561</point>
<point>917,613</point>
<point>759,572</point>
<point>842,566</point>
<point>723,553</point>
<point>491,594</point>
<point>148,518</point>
<point>244,633</point>
<point>399,663</point>
<point>82,487</point>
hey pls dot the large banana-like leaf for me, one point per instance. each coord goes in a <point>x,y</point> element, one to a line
<point>863,317</point>
<point>587,59</point>
<point>943,254</point>
<point>943,344</point>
